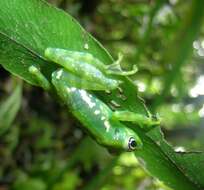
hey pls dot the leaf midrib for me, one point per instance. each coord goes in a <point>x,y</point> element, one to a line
<point>23,46</point>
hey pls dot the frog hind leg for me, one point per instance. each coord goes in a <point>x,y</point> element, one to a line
<point>115,68</point>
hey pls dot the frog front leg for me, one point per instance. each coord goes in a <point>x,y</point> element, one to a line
<point>142,120</point>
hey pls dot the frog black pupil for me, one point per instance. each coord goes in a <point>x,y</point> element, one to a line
<point>132,143</point>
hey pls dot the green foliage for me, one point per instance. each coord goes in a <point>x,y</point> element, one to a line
<point>157,37</point>
<point>29,184</point>
<point>9,109</point>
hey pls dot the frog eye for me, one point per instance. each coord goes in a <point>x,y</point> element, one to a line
<point>132,144</point>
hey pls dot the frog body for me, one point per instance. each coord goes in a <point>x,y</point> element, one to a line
<point>80,73</point>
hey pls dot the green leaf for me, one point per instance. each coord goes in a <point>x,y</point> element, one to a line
<point>190,164</point>
<point>9,108</point>
<point>27,27</point>
<point>160,159</point>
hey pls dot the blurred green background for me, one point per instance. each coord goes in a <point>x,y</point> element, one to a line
<point>45,148</point>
